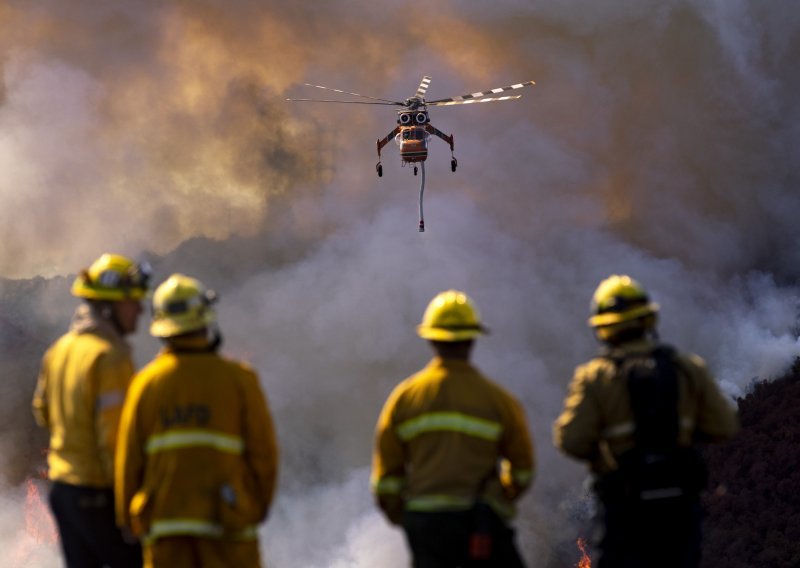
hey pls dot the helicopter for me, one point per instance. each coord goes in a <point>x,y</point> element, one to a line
<point>414,128</point>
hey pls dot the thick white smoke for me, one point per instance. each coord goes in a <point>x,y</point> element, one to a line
<point>657,142</point>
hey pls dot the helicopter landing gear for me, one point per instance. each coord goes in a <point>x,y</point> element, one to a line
<point>379,169</point>
<point>453,164</point>
<point>415,170</point>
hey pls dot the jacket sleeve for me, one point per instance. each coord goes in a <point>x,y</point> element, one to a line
<point>517,449</point>
<point>575,432</point>
<point>388,464</point>
<point>716,419</point>
<point>112,374</point>
<point>260,442</point>
<point>129,457</point>
<point>41,412</point>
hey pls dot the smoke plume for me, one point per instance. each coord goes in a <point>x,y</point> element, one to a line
<point>658,142</point>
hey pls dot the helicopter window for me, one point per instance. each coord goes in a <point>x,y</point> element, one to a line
<point>413,134</point>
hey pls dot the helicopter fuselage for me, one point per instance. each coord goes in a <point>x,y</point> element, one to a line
<point>413,143</point>
<point>412,136</point>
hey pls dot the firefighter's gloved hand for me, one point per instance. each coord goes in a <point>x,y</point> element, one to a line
<point>393,507</point>
<point>396,518</point>
<point>128,536</point>
<point>511,492</point>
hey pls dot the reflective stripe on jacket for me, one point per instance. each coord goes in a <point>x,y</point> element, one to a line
<point>79,395</point>
<point>597,425</point>
<point>197,451</point>
<point>442,432</point>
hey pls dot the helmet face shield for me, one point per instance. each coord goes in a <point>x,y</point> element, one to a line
<point>137,276</point>
<point>140,275</point>
<point>194,303</point>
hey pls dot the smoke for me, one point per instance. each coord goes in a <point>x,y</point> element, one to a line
<point>658,142</point>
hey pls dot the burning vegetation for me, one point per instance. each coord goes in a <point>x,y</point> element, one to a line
<point>585,561</point>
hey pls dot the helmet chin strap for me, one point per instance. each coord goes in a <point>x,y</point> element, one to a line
<point>205,340</point>
<point>214,338</point>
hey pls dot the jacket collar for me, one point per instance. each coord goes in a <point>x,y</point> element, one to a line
<point>86,320</point>
<point>193,344</point>
<point>639,346</point>
<point>450,363</point>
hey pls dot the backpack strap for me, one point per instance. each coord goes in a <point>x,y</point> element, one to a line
<point>653,389</point>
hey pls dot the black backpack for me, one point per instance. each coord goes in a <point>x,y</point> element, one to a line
<point>657,468</point>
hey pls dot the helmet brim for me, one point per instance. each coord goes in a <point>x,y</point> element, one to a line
<point>444,334</point>
<point>81,290</point>
<point>612,318</point>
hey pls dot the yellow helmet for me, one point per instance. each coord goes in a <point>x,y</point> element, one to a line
<point>181,305</point>
<point>620,299</point>
<point>451,316</point>
<point>112,277</point>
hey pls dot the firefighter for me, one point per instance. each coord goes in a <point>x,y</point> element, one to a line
<point>635,414</point>
<point>82,384</point>
<point>452,450</point>
<point>197,458</point>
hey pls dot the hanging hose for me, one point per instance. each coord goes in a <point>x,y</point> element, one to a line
<point>421,191</point>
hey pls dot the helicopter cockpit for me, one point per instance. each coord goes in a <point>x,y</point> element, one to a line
<point>413,134</point>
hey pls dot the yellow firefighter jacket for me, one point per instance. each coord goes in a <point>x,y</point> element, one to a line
<point>597,424</point>
<point>197,453</point>
<point>442,433</point>
<point>79,395</point>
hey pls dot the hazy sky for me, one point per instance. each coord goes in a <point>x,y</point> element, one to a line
<point>658,141</point>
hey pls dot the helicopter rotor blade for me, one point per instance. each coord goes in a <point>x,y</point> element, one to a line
<point>423,87</point>
<point>354,94</point>
<point>472,101</point>
<point>483,95</point>
<point>343,102</point>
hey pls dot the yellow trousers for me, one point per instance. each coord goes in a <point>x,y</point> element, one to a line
<point>194,552</point>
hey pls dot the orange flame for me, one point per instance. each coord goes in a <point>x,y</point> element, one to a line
<point>585,561</point>
<point>39,525</point>
<point>39,532</point>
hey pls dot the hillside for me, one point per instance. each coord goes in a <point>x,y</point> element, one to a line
<point>753,516</point>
